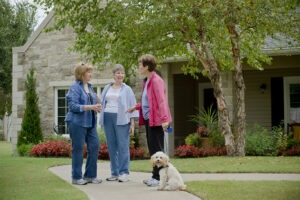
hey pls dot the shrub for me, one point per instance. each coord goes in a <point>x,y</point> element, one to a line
<point>31,127</point>
<point>294,151</point>
<point>190,151</point>
<point>206,121</point>
<point>214,151</point>
<point>135,140</point>
<point>52,149</point>
<point>101,136</point>
<point>281,138</point>
<point>216,139</point>
<point>259,142</point>
<point>186,151</point>
<point>291,143</point>
<point>193,139</point>
<point>137,153</point>
<point>51,136</point>
<point>60,148</point>
<point>24,149</point>
<point>103,152</point>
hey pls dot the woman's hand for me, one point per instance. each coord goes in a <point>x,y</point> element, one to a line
<point>98,107</point>
<point>130,110</point>
<point>131,129</point>
<point>165,125</point>
<point>94,107</point>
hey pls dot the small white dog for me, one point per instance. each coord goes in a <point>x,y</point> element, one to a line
<point>170,179</point>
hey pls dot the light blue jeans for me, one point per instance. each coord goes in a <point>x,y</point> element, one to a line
<point>117,139</point>
<point>79,136</point>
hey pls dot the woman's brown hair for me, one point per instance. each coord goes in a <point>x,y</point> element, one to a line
<point>80,69</point>
<point>148,60</point>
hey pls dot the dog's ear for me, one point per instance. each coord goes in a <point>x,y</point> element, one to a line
<point>166,158</point>
<point>152,160</point>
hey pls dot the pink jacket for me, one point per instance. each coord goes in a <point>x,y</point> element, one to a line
<point>159,108</point>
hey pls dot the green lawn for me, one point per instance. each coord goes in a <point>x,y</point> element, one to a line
<point>229,164</point>
<point>26,178</point>
<point>245,190</point>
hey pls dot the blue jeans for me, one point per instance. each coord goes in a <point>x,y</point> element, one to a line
<point>79,136</point>
<point>117,138</point>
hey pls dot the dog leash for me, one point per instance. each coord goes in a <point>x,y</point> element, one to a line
<point>166,137</point>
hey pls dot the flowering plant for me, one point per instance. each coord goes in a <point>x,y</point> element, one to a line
<point>186,151</point>
<point>52,148</point>
<point>202,131</point>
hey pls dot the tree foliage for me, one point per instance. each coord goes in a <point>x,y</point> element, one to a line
<point>17,23</point>
<point>123,30</point>
<point>211,35</point>
<point>31,132</point>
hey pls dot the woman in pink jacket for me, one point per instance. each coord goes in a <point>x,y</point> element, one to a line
<point>154,110</point>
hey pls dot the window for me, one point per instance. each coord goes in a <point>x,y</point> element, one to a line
<point>291,100</point>
<point>295,103</point>
<point>295,95</point>
<point>61,108</point>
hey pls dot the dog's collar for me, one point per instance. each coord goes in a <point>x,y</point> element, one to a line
<point>161,167</point>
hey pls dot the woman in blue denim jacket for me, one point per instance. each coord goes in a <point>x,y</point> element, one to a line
<point>82,124</point>
<point>118,124</point>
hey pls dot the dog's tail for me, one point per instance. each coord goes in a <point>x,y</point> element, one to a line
<point>182,187</point>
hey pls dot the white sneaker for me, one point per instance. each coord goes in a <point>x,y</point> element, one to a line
<point>124,178</point>
<point>146,181</point>
<point>153,183</point>
<point>79,181</point>
<point>93,180</point>
<point>112,178</point>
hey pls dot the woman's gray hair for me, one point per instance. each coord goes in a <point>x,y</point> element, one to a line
<point>118,67</point>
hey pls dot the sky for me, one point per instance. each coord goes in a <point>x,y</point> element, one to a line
<point>40,16</point>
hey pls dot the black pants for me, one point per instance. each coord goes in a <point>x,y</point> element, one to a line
<point>155,142</point>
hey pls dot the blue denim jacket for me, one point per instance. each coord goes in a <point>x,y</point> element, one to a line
<point>126,100</point>
<point>77,97</point>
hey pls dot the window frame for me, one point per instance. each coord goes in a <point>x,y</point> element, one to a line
<point>98,89</point>
<point>287,81</point>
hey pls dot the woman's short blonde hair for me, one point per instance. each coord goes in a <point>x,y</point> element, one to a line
<point>80,69</point>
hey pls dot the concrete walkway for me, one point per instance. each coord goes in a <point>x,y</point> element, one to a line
<point>136,190</point>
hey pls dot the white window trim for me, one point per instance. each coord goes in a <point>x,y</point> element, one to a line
<point>286,83</point>
<point>56,102</point>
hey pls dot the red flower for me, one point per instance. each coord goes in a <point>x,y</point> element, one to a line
<point>52,148</point>
<point>186,151</point>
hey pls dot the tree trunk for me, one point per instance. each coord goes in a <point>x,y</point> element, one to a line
<point>223,113</point>
<point>239,113</point>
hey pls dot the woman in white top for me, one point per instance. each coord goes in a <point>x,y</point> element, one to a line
<point>117,98</point>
